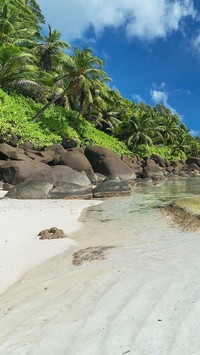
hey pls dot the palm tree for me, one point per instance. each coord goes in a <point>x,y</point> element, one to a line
<point>139,129</point>
<point>82,76</point>
<point>183,143</point>
<point>51,49</point>
<point>19,28</point>
<point>85,76</point>
<point>15,65</point>
<point>169,128</point>
<point>6,24</point>
<point>106,117</point>
<point>35,8</point>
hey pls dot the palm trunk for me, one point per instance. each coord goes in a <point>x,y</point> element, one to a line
<point>45,107</point>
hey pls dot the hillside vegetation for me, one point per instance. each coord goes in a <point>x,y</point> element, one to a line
<point>47,94</point>
<point>16,117</point>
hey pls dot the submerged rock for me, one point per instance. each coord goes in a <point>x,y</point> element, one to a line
<point>185,213</point>
<point>90,254</point>
<point>112,188</point>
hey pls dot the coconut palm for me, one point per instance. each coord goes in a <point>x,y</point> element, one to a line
<point>50,49</point>
<point>15,65</point>
<point>35,8</point>
<point>19,28</point>
<point>6,23</point>
<point>82,76</point>
<point>169,129</point>
<point>137,129</point>
<point>85,76</point>
<point>105,117</point>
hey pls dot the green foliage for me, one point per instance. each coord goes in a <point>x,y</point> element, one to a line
<point>15,117</point>
<point>72,124</point>
<point>57,120</point>
<point>165,152</point>
<point>16,114</point>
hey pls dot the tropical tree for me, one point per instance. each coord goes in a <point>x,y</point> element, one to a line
<point>85,78</point>
<point>6,23</point>
<point>35,8</point>
<point>18,24</point>
<point>105,117</point>
<point>138,129</point>
<point>82,76</point>
<point>15,65</point>
<point>50,50</point>
<point>169,128</point>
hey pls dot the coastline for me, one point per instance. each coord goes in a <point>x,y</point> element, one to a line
<point>21,221</point>
<point>142,298</point>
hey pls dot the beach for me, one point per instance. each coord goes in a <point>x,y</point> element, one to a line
<point>141,297</point>
<point>21,221</point>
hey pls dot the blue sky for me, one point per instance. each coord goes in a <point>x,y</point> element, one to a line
<point>151,47</point>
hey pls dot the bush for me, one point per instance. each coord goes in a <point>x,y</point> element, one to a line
<point>166,152</point>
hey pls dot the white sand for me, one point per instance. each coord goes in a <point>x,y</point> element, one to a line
<point>143,299</point>
<point>21,221</point>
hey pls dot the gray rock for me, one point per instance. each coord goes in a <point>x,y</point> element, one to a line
<point>193,167</point>
<point>6,151</point>
<point>195,160</point>
<point>15,172</point>
<point>66,190</point>
<point>30,190</point>
<point>68,143</point>
<point>106,162</point>
<point>7,187</point>
<point>112,188</point>
<point>61,173</point>
<point>76,160</point>
<point>152,170</point>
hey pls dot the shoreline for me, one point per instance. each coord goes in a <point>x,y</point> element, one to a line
<point>142,298</point>
<point>21,221</point>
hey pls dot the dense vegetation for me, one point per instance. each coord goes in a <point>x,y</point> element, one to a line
<point>47,94</point>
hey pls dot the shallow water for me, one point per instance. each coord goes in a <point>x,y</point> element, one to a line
<point>139,216</point>
<point>143,299</point>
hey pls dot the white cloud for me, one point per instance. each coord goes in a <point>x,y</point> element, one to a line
<point>143,19</point>
<point>195,133</point>
<point>161,97</point>
<point>196,43</point>
<point>137,98</point>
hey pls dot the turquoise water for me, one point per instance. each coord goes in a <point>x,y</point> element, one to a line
<point>138,215</point>
<point>152,196</point>
<point>142,299</point>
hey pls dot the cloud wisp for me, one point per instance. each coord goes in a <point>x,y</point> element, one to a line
<point>161,97</point>
<point>145,20</point>
<point>138,98</point>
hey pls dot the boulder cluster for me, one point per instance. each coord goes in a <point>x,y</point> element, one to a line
<point>56,172</point>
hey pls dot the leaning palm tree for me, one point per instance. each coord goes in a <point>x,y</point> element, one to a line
<point>82,76</point>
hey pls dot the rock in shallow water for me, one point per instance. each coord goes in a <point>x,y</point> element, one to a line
<point>90,254</point>
<point>52,233</point>
<point>185,213</point>
<point>112,188</point>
